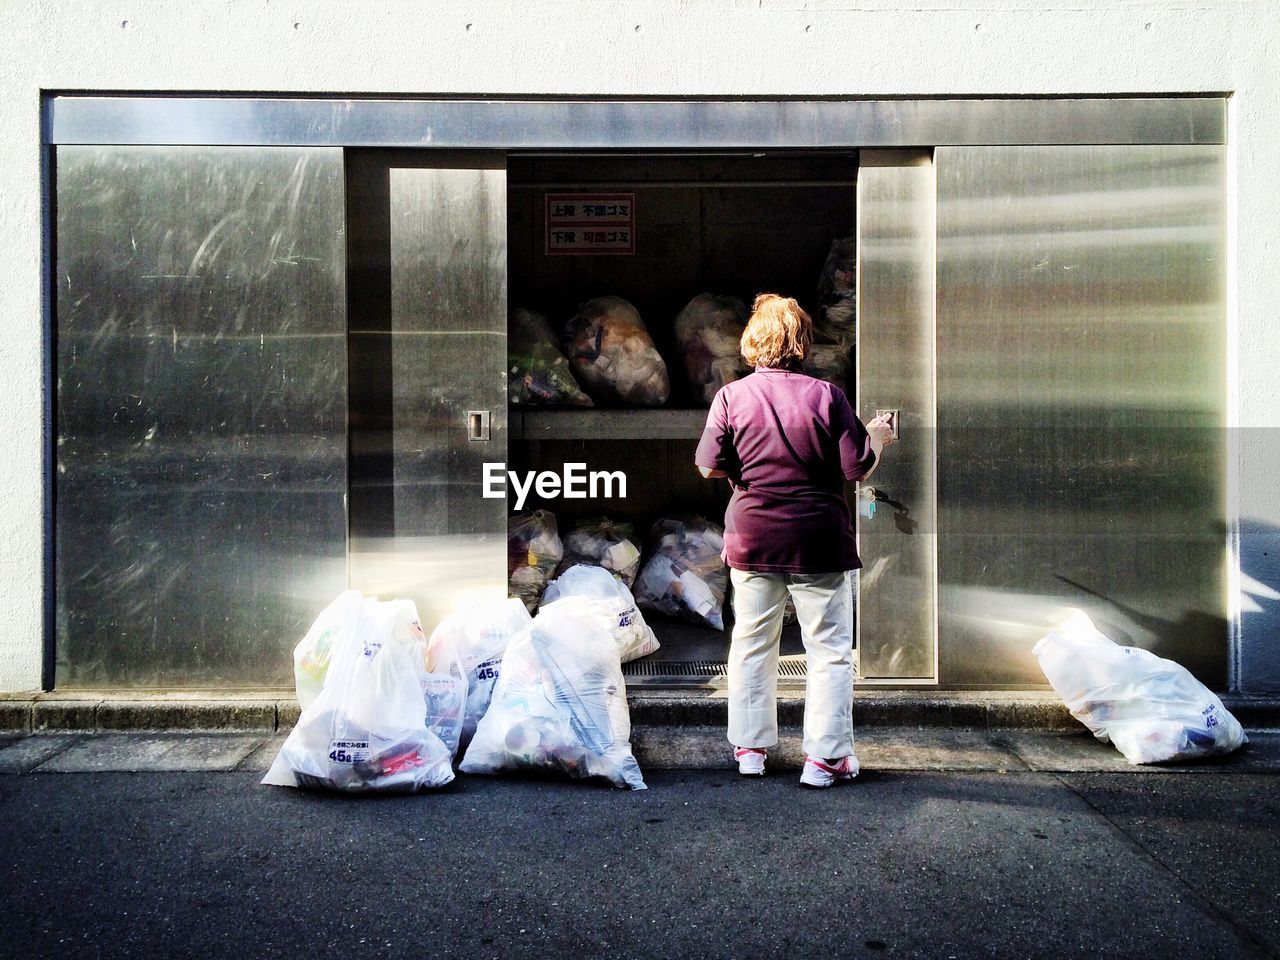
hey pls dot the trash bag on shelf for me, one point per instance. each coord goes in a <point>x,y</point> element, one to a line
<point>1152,709</point>
<point>605,597</point>
<point>836,319</point>
<point>560,705</point>
<point>685,576</point>
<point>602,543</point>
<point>534,550</point>
<point>709,334</point>
<point>613,356</point>
<point>312,655</point>
<point>472,642</point>
<point>538,373</point>
<point>367,729</point>
<point>828,362</point>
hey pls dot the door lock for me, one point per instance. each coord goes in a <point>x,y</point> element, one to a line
<point>477,424</point>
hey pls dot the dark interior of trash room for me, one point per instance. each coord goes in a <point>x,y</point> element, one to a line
<point>729,225</point>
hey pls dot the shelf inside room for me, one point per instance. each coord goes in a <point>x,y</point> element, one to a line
<point>605,424</point>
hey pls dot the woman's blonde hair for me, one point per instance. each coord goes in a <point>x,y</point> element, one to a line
<point>778,333</point>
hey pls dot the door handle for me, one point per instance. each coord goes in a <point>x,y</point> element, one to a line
<point>477,424</point>
<point>893,421</point>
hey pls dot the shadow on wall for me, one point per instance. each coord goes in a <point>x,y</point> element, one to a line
<point>987,634</point>
<point>1173,639</point>
<point>987,630</point>
<point>1000,627</point>
<point>1259,607</point>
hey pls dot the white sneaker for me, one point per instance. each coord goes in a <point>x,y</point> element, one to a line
<point>750,761</point>
<point>819,773</point>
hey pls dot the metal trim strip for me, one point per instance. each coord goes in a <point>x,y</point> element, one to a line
<point>629,124</point>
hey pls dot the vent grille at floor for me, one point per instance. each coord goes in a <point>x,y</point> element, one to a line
<point>702,669</point>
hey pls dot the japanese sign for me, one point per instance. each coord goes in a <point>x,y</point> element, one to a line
<point>586,224</point>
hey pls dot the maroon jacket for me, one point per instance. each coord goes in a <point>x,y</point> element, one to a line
<point>788,442</point>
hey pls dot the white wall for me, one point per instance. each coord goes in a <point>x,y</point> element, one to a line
<point>677,47</point>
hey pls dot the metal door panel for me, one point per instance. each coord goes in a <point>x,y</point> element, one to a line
<point>201,411</point>
<point>443,544</point>
<point>896,586</point>
<point>1081,402</point>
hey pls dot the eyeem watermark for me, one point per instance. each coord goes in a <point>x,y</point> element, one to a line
<point>574,482</point>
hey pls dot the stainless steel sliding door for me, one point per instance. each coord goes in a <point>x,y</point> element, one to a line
<point>897,640</point>
<point>1081,402</point>
<point>200,482</point>
<point>428,350</point>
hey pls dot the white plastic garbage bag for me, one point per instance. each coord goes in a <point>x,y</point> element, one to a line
<point>560,705</point>
<point>367,730</point>
<point>603,543</point>
<point>472,642</point>
<point>613,356</point>
<point>685,575</point>
<point>534,549</point>
<point>314,651</point>
<point>709,335</point>
<point>1152,709</point>
<point>539,373</point>
<point>605,597</point>
<point>443,680</point>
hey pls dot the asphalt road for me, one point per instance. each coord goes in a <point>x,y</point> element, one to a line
<point>703,864</point>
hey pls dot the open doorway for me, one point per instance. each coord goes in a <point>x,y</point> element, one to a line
<point>731,225</point>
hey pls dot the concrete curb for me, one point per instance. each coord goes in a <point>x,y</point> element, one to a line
<point>880,708</point>
<point>275,710</point>
<point>102,713</point>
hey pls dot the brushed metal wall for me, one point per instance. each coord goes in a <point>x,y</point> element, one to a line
<point>1081,324</point>
<point>202,395</point>
<point>200,516</point>
<point>897,637</point>
<point>444,544</point>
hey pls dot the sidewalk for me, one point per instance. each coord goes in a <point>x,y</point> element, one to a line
<point>885,749</point>
<point>951,843</point>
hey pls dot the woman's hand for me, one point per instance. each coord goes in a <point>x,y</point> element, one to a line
<point>881,431</point>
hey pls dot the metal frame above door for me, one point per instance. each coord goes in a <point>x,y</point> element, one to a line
<point>630,124</point>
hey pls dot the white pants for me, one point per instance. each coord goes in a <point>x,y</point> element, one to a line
<point>824,607</point>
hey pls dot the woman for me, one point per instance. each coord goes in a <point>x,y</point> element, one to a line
<point>787,443</point>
